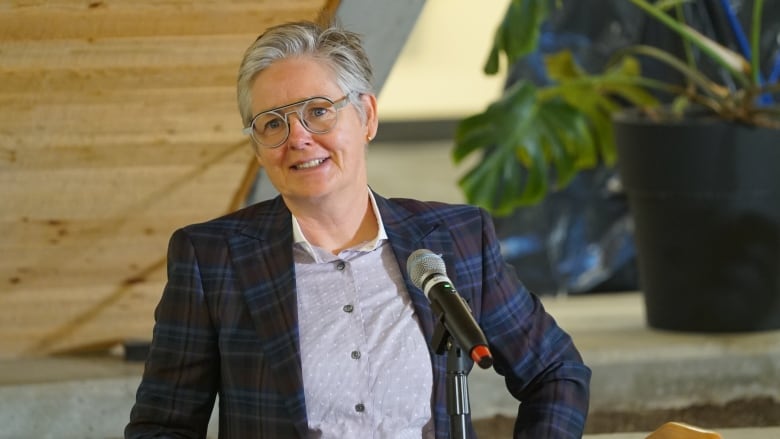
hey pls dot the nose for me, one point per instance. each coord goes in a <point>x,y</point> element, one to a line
<point>298,133</point>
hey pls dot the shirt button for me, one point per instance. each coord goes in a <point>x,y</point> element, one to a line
<point>348,308</point>
<point>360,408</point>
<point>355,355</point>
<point>340,266</point>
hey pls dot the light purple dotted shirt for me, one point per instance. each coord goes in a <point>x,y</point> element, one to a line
<point>366,367</point>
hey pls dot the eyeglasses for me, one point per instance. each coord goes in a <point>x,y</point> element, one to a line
<point>318,115</point>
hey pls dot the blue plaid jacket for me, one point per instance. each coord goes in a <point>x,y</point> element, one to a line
<point>226,324</point>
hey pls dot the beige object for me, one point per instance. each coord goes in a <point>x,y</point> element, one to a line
<point>118,123</point>
<point>679,430</point>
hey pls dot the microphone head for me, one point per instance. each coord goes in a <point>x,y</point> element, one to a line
<point>422,264</point>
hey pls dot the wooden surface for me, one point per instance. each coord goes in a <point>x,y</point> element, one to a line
<point>118,123</point>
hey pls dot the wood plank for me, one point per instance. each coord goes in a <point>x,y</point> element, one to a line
<point>50,273</point>
<point>74,317</point>
<point>34,20</point>
<point>121,63</point>
<point>50,238</point>
<point>115,116</point>
<point>37,156</point>
<point>111,193</point>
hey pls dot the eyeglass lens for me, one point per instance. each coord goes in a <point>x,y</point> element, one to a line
<point>318,115</point>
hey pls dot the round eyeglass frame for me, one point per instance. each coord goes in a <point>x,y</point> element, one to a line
<point>278,111</point>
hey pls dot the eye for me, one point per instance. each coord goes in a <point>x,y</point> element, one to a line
<point>273,124</point>
<point>319,111</point>
<point>268,123</point>
<point>318,108</point>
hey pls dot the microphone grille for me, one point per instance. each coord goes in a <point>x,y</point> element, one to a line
<point>421,264</point>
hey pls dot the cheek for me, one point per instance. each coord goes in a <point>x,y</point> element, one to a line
<point>353,138</point>
<point>259,159</point>
<point>267,159</point>
<point>351,147</point>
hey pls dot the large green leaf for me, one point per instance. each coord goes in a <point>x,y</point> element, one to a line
<point>561,66</point>
<point>597,97</point>
<point>569,144</point>
<point>521,138</point>
<point>533,138</point>
<point>518,33</point>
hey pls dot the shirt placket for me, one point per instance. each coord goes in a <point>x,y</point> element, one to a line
<point>356,348</point>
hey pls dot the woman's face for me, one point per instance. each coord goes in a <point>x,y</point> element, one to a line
<point>310,167</point>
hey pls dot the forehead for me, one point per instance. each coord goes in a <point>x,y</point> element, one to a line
<point>291,80</point>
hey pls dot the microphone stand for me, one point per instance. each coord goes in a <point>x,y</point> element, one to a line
<point>457,379</point>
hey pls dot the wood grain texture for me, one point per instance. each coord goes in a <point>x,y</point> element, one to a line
<point>118,124</point>
<point>93,19</point>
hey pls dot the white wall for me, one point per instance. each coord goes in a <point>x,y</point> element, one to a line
<point>439,71</point>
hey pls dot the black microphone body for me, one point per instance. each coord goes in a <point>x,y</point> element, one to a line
<point>427,272</point>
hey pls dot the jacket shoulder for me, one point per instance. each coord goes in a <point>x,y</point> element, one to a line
<point>437,210</point>
<point>265,212</point>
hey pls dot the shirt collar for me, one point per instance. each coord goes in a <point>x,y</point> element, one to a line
<point>381,235</point>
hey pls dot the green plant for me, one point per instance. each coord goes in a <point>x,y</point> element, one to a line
<point>535,136</point>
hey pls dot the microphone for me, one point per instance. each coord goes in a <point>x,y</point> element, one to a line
<point>428,273</point>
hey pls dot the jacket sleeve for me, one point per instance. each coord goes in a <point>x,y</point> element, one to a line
<point>539,361</point>
<point>177,392</point>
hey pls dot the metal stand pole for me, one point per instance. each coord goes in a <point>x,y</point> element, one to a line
<point>457,391</point>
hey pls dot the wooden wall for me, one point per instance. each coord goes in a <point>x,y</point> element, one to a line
<point>118,123</point>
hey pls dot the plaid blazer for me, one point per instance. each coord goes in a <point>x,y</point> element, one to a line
<point>227,324</point>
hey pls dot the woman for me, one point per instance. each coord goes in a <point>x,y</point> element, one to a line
<point>296,311</point>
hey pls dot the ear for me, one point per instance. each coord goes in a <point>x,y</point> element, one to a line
<point>372,117</point>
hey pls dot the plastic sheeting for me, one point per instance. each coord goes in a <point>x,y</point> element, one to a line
<point>580,239</point>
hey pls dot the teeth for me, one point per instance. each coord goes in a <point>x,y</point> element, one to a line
<point>309,164</point>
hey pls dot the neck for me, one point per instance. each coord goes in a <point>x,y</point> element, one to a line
<point>337,225</point>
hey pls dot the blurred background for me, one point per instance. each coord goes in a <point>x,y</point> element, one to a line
<point>118,124</point>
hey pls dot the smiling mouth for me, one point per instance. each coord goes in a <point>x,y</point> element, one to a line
<point>309,164</point>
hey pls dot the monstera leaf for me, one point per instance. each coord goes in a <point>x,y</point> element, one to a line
<point>533,138</point>
<point>513,166</point>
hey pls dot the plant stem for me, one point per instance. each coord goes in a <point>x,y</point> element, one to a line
<point>755,41</point>
<point>703,43</point>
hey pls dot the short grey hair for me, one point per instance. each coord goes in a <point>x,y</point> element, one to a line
<point>340,50</point>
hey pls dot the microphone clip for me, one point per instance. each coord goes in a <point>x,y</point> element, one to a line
<point>441,340</point>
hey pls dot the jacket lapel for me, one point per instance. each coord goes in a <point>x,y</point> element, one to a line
<point>407,231</point>
<point>262,257</point>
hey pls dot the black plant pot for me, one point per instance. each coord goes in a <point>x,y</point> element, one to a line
<point>705,197</point>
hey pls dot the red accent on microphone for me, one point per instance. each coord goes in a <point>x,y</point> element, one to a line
<point>482,356</point>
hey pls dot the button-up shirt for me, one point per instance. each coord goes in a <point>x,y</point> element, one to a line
<point>366,365</point>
